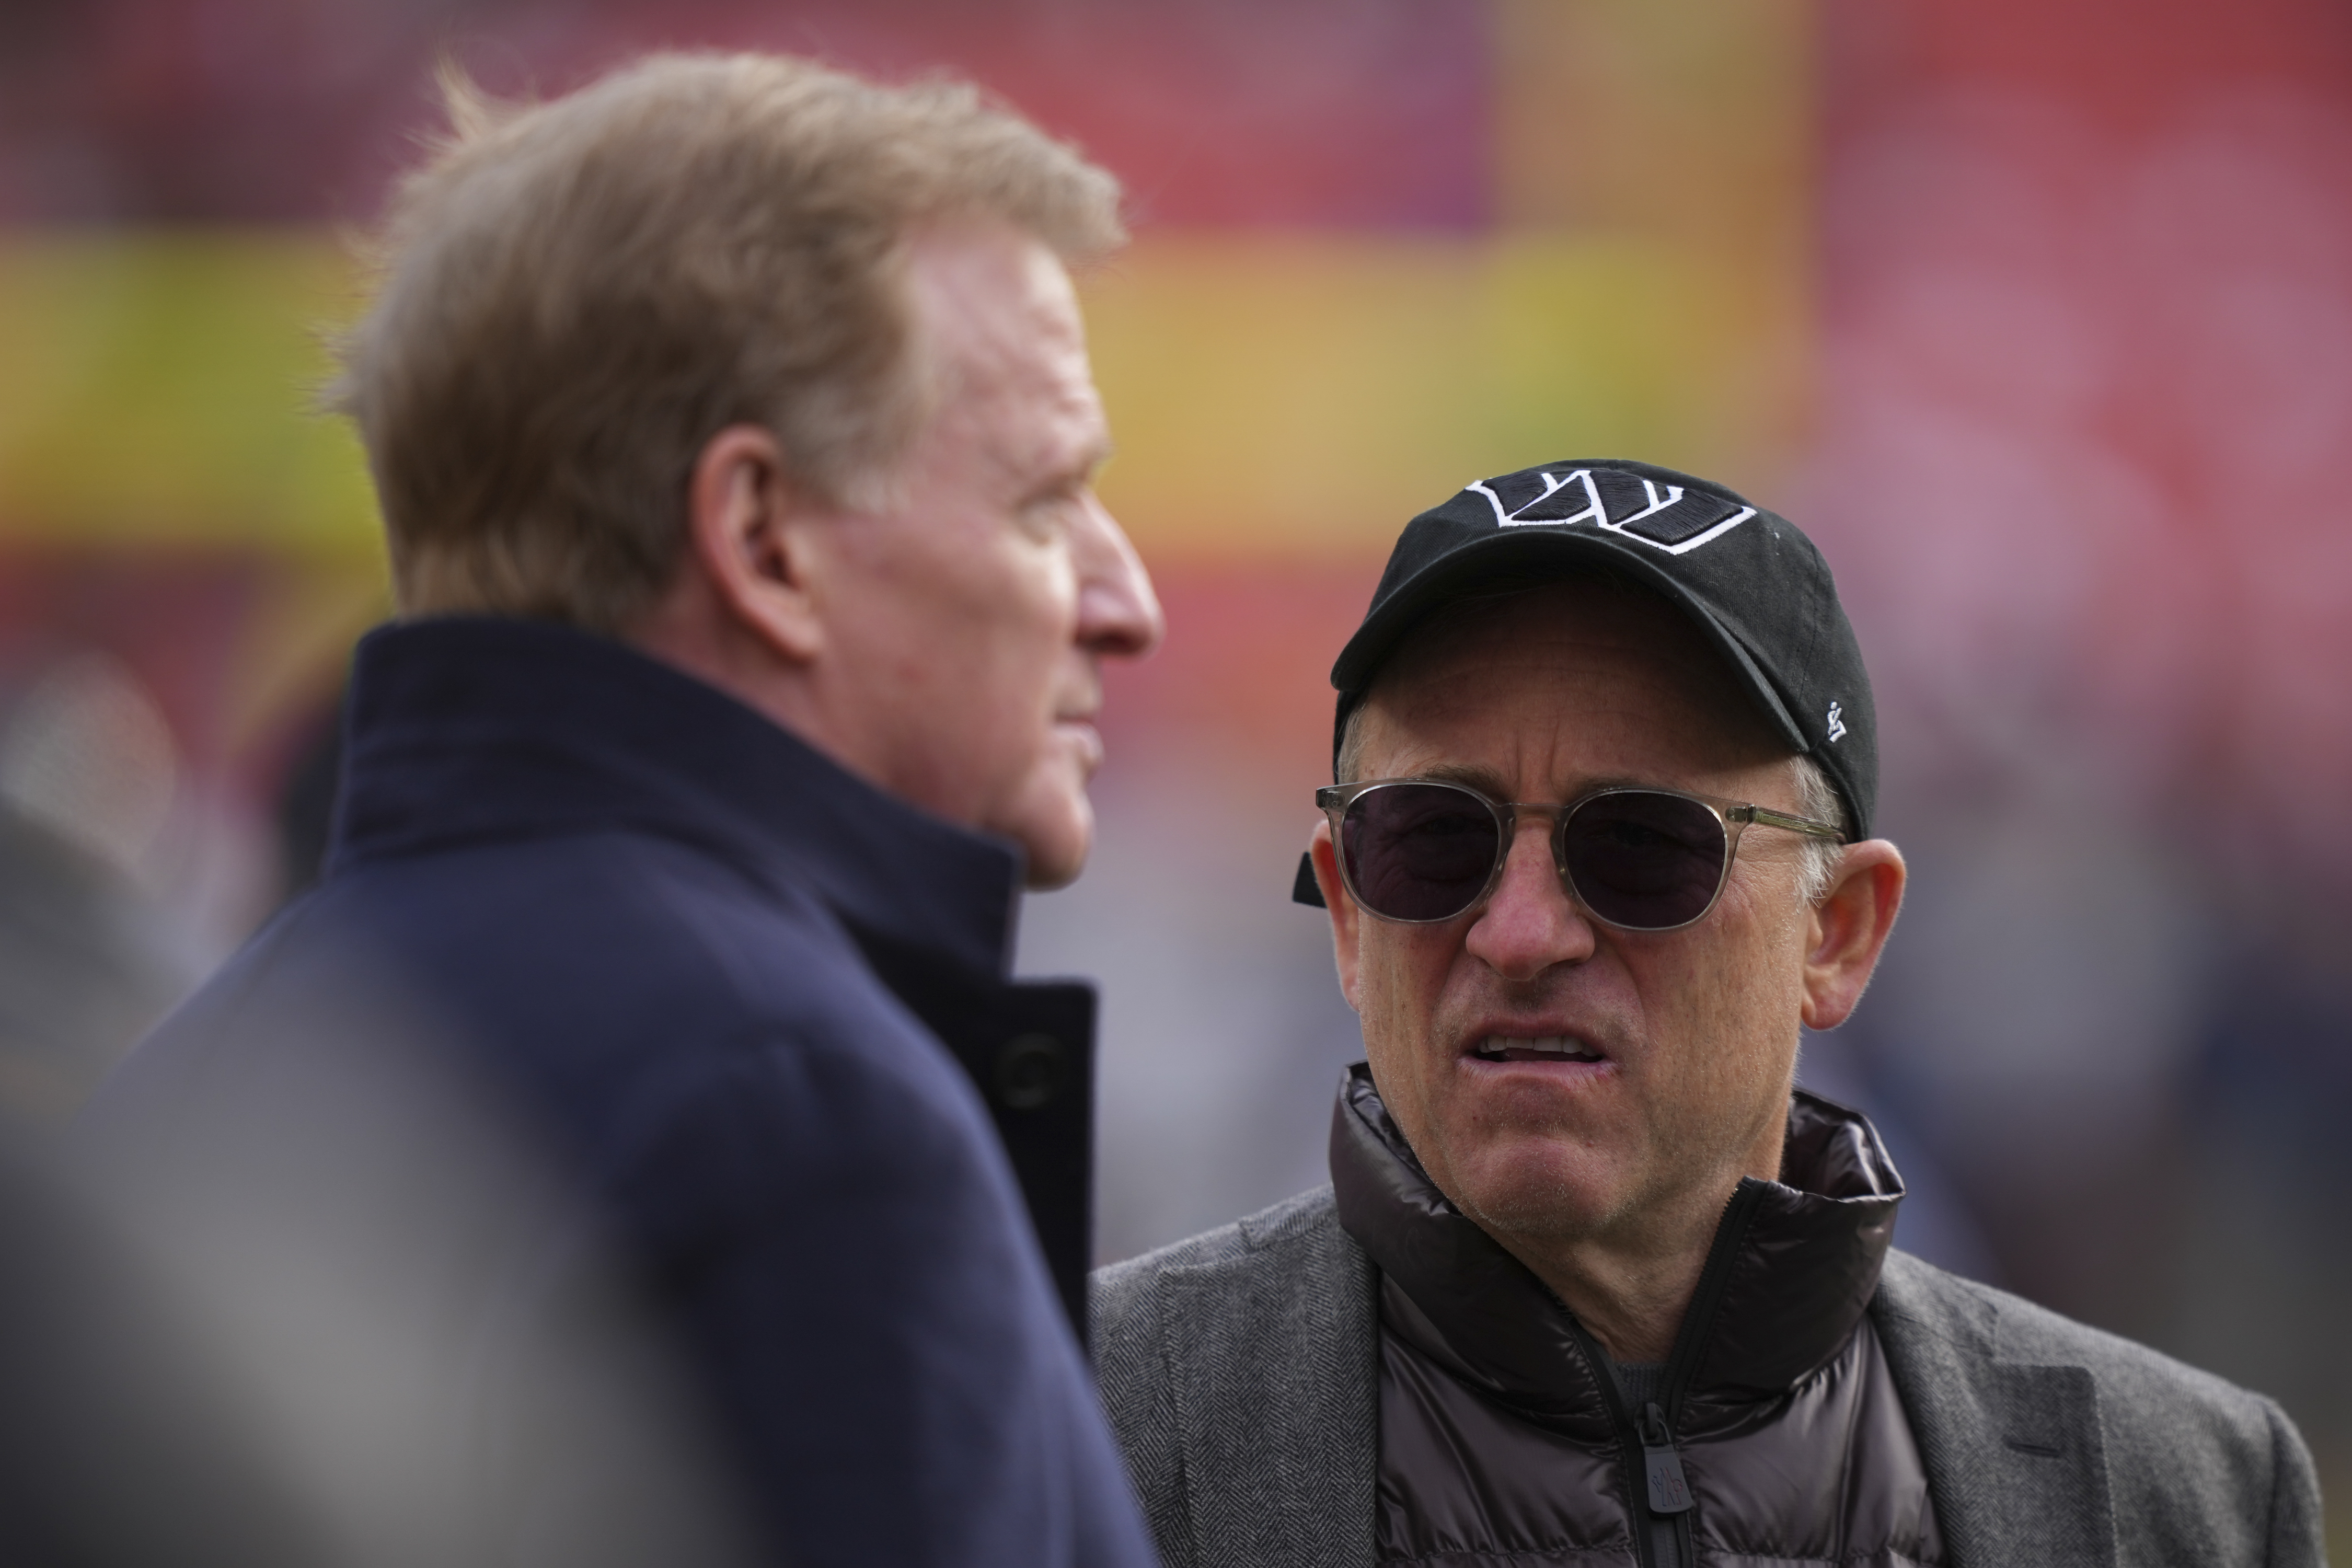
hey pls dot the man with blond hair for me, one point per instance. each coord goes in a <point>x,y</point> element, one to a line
<point>734,431</point>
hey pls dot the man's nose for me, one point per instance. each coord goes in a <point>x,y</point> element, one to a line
<point>1118,614</point>
<point>1528,924</point>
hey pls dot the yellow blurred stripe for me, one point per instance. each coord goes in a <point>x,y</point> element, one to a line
<point>155,389</point>
<point>1273,395</point>
<point>1304,395</point>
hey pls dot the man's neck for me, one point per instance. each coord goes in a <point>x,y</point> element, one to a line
<point>1631,1284</point>
<point>1633,1304</point>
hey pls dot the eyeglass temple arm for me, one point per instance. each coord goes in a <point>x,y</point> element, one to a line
<point>1303,888</point>
<point>1804,825</point>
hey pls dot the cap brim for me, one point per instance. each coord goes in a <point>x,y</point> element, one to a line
<point>1460,570</point>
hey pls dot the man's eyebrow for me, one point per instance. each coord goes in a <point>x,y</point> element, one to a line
<point>1488,783</point>
<point>1485,781</point>
<point>1075,472</point>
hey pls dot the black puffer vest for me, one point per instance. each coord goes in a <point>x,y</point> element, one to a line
<point>1776,1436</point>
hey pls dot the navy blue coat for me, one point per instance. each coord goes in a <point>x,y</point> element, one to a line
<point>756,1012</point>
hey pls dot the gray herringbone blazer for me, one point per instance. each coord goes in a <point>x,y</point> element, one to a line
<point>1242,1372</point>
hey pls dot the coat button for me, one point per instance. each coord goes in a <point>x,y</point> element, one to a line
<point>1029,1072</point>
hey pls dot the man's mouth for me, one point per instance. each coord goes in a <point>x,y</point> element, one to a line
<point>1080,729</point>
<point>1540,1049</point>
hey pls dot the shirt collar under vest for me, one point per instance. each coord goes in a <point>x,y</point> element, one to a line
<point>473,729</point>
<point>1796,1259</point>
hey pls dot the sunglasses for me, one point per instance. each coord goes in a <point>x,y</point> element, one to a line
<point>1418,852</point>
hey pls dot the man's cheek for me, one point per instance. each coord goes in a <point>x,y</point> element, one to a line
<point>1394,1039</point>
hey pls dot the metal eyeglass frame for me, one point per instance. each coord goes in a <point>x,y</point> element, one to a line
<point>1734,815</point>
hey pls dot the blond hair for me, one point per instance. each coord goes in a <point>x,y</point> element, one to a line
<point>575,296</point>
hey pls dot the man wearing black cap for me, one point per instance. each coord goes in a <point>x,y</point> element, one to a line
<point>1593,1282</point>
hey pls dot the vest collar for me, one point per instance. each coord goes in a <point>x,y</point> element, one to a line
<point>475,730</point>
<point>1793,1265</point>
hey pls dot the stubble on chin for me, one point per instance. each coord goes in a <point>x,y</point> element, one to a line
<point>1544,1191</point>
<point>1518,1162</point>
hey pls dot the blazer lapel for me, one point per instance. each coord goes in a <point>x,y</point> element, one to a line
<point>2015,1463</point>
<point>1276,1362</point>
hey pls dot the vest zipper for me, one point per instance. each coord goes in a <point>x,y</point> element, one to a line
<point>1629,1440</point>
<point>1666,1492</point>
<point>1661,1465</point>
<point>1663,1492</point>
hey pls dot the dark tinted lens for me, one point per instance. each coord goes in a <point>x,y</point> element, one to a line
<point>1416,851</point>
<point>1642,859</point>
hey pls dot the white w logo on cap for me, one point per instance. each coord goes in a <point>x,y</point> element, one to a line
<point>1710,516</point>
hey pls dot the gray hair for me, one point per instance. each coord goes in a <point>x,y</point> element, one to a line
<point>1818,799</point>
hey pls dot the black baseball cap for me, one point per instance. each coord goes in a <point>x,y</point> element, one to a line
<point>1754,586</point>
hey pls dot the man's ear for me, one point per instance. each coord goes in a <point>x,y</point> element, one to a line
<point>746,533</point>
<point>1347,921</point>
<point>1849,931</point>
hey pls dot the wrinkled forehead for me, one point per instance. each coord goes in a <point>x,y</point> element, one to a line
<point>1002,350</point>
<point>1602,636</point>
<point>988,300</point>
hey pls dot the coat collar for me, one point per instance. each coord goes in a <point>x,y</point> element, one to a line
<point>469,730</point>
<point>1796,1261</point>
<point>2015,1450</point>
